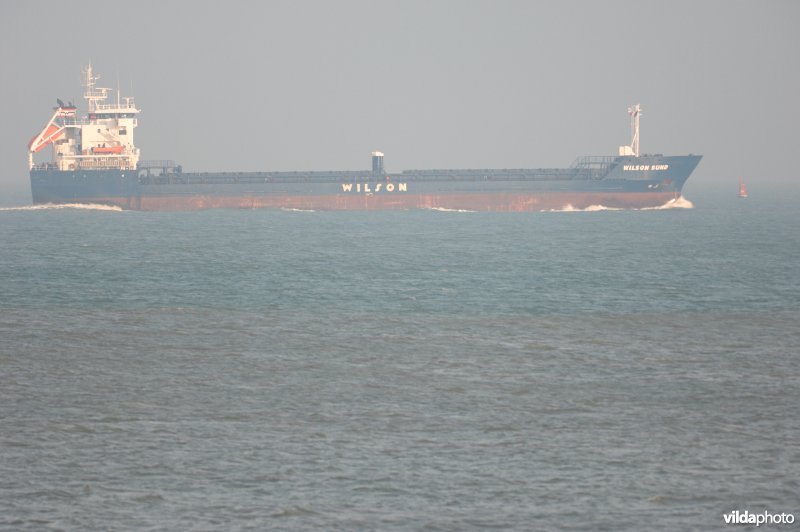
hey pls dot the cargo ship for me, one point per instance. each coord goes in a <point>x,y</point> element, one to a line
<point>96,161</point>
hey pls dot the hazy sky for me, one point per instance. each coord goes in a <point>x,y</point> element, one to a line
<point>434,84</point>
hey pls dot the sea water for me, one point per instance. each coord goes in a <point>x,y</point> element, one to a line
<point>268,369</point>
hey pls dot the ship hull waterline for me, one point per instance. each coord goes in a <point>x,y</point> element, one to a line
<point>483,202</point>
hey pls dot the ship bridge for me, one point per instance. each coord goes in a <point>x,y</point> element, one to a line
<point>103,139</point>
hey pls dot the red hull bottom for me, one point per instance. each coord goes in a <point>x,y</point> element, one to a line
<point>497,202</point>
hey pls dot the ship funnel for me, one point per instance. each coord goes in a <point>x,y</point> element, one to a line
<point>377,163</point>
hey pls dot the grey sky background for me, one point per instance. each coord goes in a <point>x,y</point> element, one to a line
<point>434,84</point>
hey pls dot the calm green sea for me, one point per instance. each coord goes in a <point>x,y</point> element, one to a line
<point>259,370</point>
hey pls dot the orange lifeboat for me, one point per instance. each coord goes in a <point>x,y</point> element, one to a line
<point>51,133</point>
<point>107,150</point>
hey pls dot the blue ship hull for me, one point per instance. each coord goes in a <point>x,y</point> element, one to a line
<point>615,182</point>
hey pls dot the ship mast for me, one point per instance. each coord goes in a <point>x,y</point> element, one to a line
<point>635,112</point>
<point>633,149</point>
<point>93,94</point>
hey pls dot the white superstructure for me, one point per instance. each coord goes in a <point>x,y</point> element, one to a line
<point>103,139</point>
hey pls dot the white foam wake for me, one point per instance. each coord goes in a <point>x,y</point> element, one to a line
<point>677,203</point>
<point>442,209</point>
<point>54,206</point>
<point>591,208</point>
<point>287,209</point>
